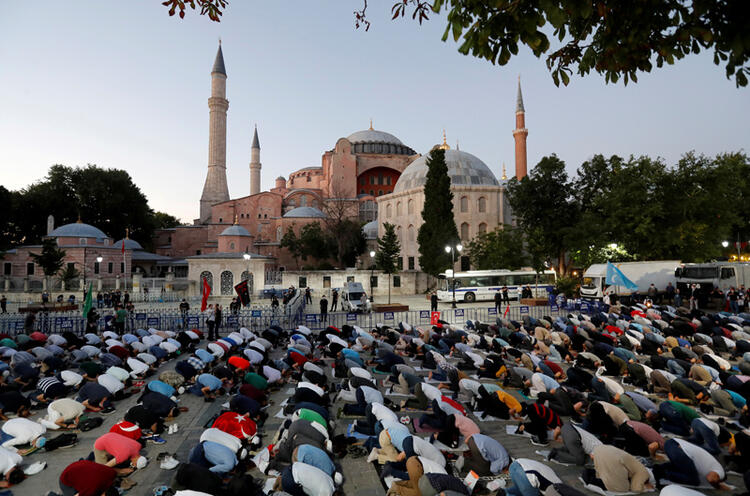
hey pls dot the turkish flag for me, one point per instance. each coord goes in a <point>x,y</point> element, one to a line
<point>434,318</point>
<point>206,292</point>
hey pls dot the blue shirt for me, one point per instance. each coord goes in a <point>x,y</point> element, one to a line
<point>161,387</point>
<point>210,381</point>
<point>492,451</point>
<point>204,356</point>
<point>397,431</point>
<point>316,457</point>
<point>222,458</point>
<point>738,400</point>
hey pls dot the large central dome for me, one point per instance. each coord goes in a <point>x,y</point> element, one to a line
<point>464,169</point>
<point>372,141</point>
<point>373,136</point>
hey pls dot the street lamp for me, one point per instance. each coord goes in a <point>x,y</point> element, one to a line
<point>372,271</point>
<point>452,250</point>
<point>247,258</point>
<point>725,244</point>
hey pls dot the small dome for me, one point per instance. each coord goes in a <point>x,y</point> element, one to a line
<point>302,212</point>
<point>78,230</point>
<point>464,169</point>
<point>281,178</point>
<point>371,230</point>
<point>130,244</point>
<point>235,230</point>
<point>373,136</point>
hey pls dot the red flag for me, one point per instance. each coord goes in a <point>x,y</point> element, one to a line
<point>507,309</point>
<point>206,292</point>
<point>123,247</point>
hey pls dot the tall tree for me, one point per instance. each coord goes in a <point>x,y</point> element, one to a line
<point>439,226</point>
<point>388,254</point>
<point>544,209</point>
<point>498,249</point>
<point>314,242</point>
<point>291,242</point>
<point>613,38</point>
<point>50,259</point>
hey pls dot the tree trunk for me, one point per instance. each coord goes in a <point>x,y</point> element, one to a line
<point>389,289</point>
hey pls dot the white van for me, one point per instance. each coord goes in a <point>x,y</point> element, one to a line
<point>350,297</point>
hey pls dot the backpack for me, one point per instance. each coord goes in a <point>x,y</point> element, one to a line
<point>90,423</point>
<point>61,441</point>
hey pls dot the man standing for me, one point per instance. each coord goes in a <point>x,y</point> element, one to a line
<point>324,309</point>
<point>308,296</point>
<point>120,315</point>
<point>4,304</point>
<point>433,302</point>
<point>334,300</point>
<point>669,290</point>
<point>210,321</point>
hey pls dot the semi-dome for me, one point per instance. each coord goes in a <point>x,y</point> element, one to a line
<point>378,142</point>
<point>302,212</point>
<point>235,230</point>
<point>78,230</point>
<point>464,169</point>
<point>371,229</point>
<point>130,244</point>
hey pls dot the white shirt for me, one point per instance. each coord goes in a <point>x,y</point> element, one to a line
<point>427,450</point>
<point>8,460</point>
<point>71,378</point>
<point>23,430</point>
<point>382,412</point>
<point>360,372</point>
<point>309,385</point>
<point>118,373</point>
<point>253,356</point>
<point>220,437</point>
<point>711,425</point>
<point>588,440</point>
<point>431,391</point>
<point>470,385</point>
<point>137,366</point>
<point>431,466</point>
<point>271,374</point>
<point>543,470</point>
<point>314,481</point>
<point>703,460</point>
<point>110,382</point>
<point>612,386</point>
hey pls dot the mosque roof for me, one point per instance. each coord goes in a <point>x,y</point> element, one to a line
<point>373,136</point>
<point>371,229</point>
<point>130,244</point>
<point>235,230</point>
<point>78,230</point>
<point>302,212</point>
<point>464,169</point>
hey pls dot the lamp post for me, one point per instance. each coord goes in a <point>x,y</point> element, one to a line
<point>247,258</point>
<point>372,271</point>
<point>99,259</point>
<point>452,250</point>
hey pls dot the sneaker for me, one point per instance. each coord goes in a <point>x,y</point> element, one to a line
<point>209,400</point>
<point>107,410</point>
<point>537,442</point>
<point>405,420</point>
<point>169,463</point>
<point>372,456</point>
<point>175,428</point>
<point>156,440</point>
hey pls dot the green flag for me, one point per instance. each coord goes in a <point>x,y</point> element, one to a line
<point>87,303</point>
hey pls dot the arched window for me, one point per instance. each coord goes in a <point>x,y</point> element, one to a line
<point>464,204</point>
<point>380,192</point>
<point>482,204</point>
<point>465,231</point>
<point>410,231</point>
<point>278,234</point>
<point>209,277</point>
<point>482,228</point>
<point>398,234</point>
<point>410,207</point>
<point>303,201</point>
<point>388,211</point>
<point>227,283</point>
<point>398,209</point>
<point>231,245</point>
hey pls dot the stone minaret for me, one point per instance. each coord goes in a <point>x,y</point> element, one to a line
<point>520,134</point>
<point>215,190</point>
<point>255,164</point>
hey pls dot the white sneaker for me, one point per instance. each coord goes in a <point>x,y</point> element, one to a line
<point>175,428</point>
<point>169,462</point>
<point>372,456</point>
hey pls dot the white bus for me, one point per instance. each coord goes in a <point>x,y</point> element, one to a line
<point>483,284</point>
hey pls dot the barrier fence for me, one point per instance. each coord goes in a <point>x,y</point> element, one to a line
<point>288,316</point>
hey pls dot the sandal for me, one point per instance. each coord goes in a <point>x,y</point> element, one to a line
<point>184,409</point>
<point>126,484</point>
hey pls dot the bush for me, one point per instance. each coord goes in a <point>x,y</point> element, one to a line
<point>325,266</point>
<point>567,286</point>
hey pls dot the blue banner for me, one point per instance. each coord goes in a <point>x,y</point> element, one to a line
<point>458,312</point>
<point>524,309</point>
<point>256,313</point>
<point>351,317</point>
<point>492,311</point>
<point>152,321</point>
<point>584,307</point>
<point>193,321</point>
<point>388,316</point>
<point>424,315</point>
<point>274,322</point>
<point>140,316</point>
<point>311,317</point>
<point>232,320</point>
<point>554,308</point>
<point>19,325</point>
<point>66,324</point>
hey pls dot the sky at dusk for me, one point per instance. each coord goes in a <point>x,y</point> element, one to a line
<point>123,85</point>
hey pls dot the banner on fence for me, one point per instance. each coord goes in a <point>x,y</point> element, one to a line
<point>140,316</point>
<point>458,312</point>
<point>152,321</point>
<point>585,307</point>
<point>19,326</point>
<point>66,324</point>
<point>193,321</point>
<point>311,318</point>
<point>554,308</point>
<point>524,309</point>
<point>424,315</point>
<point>388,316</point>
<point>256,313</point>
<point>351,317</point>
<point>233,320</point>
<point>492,311</point>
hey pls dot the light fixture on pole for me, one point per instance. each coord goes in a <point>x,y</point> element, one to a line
<point>247,258</point>
<point>372,271</point>
<point>452,250</point>
<point>725,244</point>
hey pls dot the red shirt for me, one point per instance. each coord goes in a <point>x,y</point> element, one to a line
<point>119,352</point>
<point>556,369</point>
<point>239,362</point>
<point>120,447</point>
<point>252,392</point>
<point>235,424</point>
<point>127,429</point>
<point>88,478</point>
<point>297,358</point>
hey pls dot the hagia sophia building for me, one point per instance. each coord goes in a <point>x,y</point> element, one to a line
<point>372,171</point>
